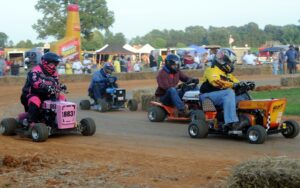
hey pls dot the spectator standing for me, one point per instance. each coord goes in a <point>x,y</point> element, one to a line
<point>14,68</point>
<point>7,67</point>
<point>129,65</point>
<point>291,55</point>
<point>281,61</point>
<point>159,61</point>
<point>153,62</point>
<point>123,64</point>
<point>2,66</point>
<point>203,60</point>
<point>69,67</point>
<point>249,59</point>
<point>297,58</point>
<point>77,67</point>
<point>137,67</point>
<point>196,60</point>
<point>275,61</point>
<point>117,65</point>
<point>87,65</point>
<point>188,60</point>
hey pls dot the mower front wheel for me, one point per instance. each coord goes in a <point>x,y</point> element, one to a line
<point>88,127</point>
<point>292,129</point>
<point>256,134</point>
<point>198,129</point>
<point>39,132</point>
<point>156,114</point>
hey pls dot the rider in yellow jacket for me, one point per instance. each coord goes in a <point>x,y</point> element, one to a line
<point>218,84</point>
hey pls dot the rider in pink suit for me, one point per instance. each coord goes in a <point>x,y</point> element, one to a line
<point>40,83</point>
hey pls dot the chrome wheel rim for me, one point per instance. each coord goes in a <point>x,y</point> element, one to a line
<point>253,136</point>
<point>2,129</point>
<point>151,115</point>
<point>193,130</point>
<point>34,134</point>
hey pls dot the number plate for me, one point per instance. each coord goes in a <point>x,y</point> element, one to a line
<point>68,114</point>
<point>120,98</point>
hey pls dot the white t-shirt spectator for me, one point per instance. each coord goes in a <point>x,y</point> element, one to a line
<point>87,63</point>
<point>77,67</point>
<point>250,59</point>
<point>137,67</point>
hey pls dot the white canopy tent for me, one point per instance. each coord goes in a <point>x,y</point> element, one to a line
<point>146,49</point>
<point>130,48</point>
<point>102,48</point>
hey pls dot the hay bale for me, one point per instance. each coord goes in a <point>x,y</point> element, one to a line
<point>290,81</point>
<point>273,172</point>
<point>138,93</point>
<point>146,99</point>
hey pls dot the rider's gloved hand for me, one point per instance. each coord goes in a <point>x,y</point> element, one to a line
<point>63,87</point>
<point>51,90</point>
<point>251,85</point>
<point>195,80</point>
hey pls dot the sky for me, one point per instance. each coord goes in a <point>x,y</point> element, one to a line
<point>138,17</point>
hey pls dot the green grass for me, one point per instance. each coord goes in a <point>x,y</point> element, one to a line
<point>292,96</point>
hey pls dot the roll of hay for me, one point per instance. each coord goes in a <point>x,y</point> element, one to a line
<point>146,99</point>
<point>267,172</point>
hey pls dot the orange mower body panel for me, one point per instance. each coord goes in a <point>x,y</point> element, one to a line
<point>273,110</point>
<point>171,112</point>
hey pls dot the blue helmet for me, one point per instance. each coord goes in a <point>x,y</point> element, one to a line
<point>171,60</point>
<point>108,68</point>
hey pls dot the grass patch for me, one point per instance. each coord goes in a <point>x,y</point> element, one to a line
<point>292,96</point>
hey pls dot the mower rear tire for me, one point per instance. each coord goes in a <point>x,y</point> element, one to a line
<point>8,126</point>
<point>85,105</point>
<point>132,105</point>
<point>156,114</point>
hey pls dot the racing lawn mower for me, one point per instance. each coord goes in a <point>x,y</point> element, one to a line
<point>114,99</point>
<point>258,117</point>
<point>158,112</point>
<point>56,117</point>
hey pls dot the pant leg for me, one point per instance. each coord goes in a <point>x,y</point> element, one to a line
<point>172,98</point>
<point>275,68</point>
<point>281,68</point>
<point>226,99</point>
<point>24,101</point>
<point>34,103</point>
<point>97,91</point>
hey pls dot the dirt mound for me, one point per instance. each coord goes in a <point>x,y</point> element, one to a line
<point>267,88</point>
<point>27,163</point>
<point>266,172</point>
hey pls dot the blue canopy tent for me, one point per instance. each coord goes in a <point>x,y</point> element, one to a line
<point>198,49</point>
<point>272,49</point>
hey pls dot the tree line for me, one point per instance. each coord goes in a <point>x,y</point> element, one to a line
<point>249,34</point>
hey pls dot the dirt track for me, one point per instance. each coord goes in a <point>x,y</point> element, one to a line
<point>127,151</point>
